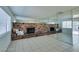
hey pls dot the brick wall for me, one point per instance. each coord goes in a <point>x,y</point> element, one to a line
<point>39,27</point>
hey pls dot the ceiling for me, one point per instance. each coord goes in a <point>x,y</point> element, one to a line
<point>38,11</point>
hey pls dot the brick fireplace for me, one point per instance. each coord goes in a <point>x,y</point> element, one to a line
<point>32,30</point>
<point>52,29</point>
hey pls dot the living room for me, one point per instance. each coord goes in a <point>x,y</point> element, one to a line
<point>39,28</point>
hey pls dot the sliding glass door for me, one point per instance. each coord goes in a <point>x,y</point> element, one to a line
<point>65,22</point>
<point>5,22</point>
<point>76,29</point>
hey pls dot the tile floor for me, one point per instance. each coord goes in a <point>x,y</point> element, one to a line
<point>47,43</point>
<point>67,38</point>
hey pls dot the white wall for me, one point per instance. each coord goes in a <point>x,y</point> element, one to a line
<point>26,20</point>
<point>5,39</point>
<point>29,20</point>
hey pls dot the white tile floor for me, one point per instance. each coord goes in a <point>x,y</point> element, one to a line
<point>67,38</point>
<point>47,43</point>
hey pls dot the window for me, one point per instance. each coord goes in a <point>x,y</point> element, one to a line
<point>5,22</point>
<point>76,16</point>
<point>67,24</point>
